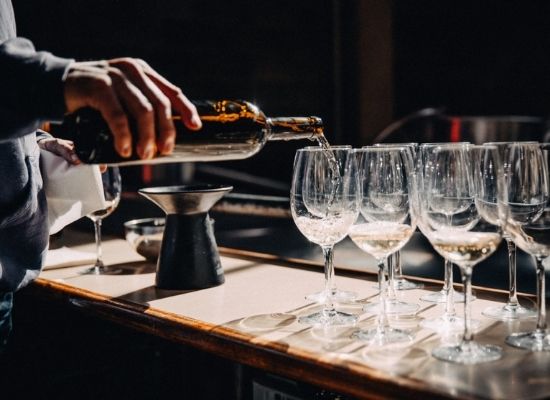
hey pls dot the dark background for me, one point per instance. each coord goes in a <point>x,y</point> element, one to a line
<point>475,57</point>
<point>358,64</point>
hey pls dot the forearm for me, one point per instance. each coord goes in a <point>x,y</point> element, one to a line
<point>32,85</point>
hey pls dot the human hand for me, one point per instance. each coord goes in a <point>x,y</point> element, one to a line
<point>128,88</point>
<point>60,147</point>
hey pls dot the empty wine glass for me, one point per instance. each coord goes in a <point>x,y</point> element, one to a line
<point>528,224</point>
<point>112,188</point>
<point>338,295</point>
<point>396,279</point>
<point>512,310</point>
<point>323,203</point>
<point>447,294</point>
<point>460,230</point>
<point>384,226</point>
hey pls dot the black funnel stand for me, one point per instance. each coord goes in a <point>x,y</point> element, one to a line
<point>188,256</point>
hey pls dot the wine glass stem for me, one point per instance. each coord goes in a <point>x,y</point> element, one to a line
<point>541,300</point>
<point>390,261</point>
<point>449,290</point>
<point>382,322</point>
<point>512,297</point>
<point>99,252</point>
<point>398,268</point>
<point>448,279</point>
<point>467,282</point>
<point>328,253</point>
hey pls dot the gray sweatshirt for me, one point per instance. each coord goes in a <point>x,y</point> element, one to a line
<point>32,92</point>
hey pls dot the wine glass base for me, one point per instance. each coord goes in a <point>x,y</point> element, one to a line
<point>339,296</point>
<point>328,319</point>
<point>534,341</point>
<point>468,353</point>
<point>446,324</point>
<point>387,336</point>
<point>100,270</point>
<point>404,284</point>
<point>441,297</point>
<point>393,307</point>
<point>509,312</point>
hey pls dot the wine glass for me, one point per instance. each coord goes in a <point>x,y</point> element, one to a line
<point>460,230</point>
<point>323,202</point>
<point>447,294</point>
<point>338,295</point>
<point>512,310</point>
<point>449,321</point>
<point>393,305</point>
<point>112,188</point>
<point>396,278</point>
<point>385,225</point>
<point>528,224</point>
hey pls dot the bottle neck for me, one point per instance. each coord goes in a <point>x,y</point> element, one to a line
<point>289,128</point>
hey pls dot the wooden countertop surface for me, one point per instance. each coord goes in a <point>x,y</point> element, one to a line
<point>252,319</point>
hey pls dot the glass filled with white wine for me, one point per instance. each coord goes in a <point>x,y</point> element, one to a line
<point>460,180</point>
<point>112,188</point>
<point>385,224</point>
<point>396,278</point>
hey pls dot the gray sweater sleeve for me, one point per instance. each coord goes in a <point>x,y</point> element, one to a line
<point>32,83</point>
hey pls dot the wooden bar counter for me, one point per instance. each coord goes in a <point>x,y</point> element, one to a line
<point>252,320</point>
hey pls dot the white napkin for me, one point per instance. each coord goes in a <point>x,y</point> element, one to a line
<point>66,257</point>
<point>72,191</point>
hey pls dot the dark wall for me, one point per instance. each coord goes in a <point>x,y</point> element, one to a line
<point>475,57</point>
<point>277,53</point>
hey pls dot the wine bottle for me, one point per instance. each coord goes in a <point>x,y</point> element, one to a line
<point>232,129</point>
